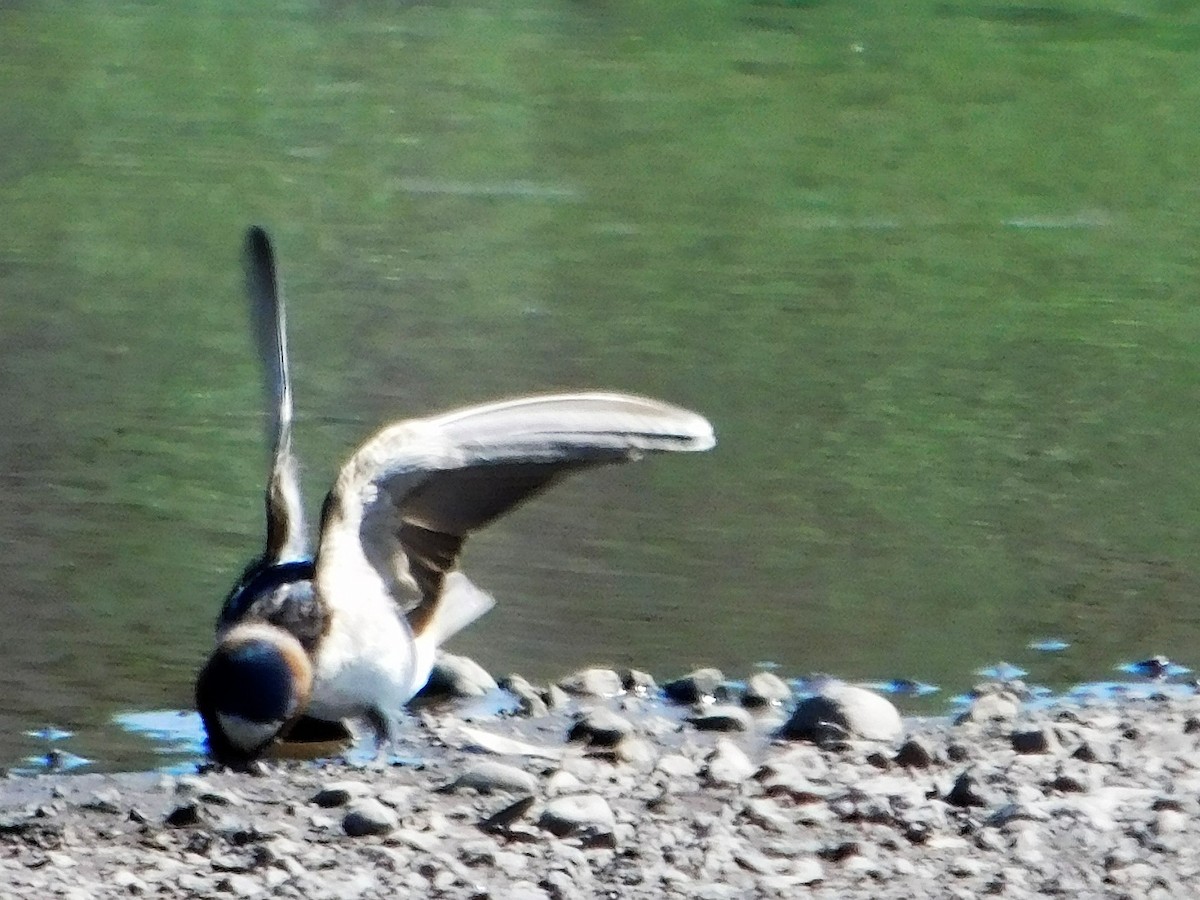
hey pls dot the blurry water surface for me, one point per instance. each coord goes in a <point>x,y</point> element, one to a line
<point>930,268</point>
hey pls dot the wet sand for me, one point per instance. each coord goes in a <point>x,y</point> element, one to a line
<point>634,796</point>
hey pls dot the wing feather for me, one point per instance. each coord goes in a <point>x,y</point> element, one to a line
<point>407,499</point>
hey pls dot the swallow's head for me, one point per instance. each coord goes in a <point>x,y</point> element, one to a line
<point>254,685</point>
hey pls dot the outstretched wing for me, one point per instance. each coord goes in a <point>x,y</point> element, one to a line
<point>286,538</point>
<point>407,499</point>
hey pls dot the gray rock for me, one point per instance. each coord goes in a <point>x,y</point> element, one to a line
<point>367,816</point>
<point>593,683</point>
<point>807,871</point>
<point>727,764</point>
<point>637,682</point>
<point>766,814</point>
<point>578,814</point>
<point>722,717</point>
<point>399,797</point>
<point>995,705</point>
<point>527,695</point>
<point>489,777</point>
<point>676,765</point>
<point>635,751</point>
<point>107,801</point>
<point>861,713</point>
<point>503,819</point>
<point>456,676</point>
<point>766,689</point>
<point>965,866</point>
<point>555,697</point>
<point>754,861</point>
<point>126,881</point>
<point>599,728</point>
<point>1074,780</point>
<point>786,781</point>
<point>700,686</point>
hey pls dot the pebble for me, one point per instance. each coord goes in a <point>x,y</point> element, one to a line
<point>914,754</point>
<point>527,695</point>
<point>700,686</point>
<point>766,689</point>
<point>721,717</point>
<point>727,764</point>
<point>856,711</point>
<point>367,816</point>
<point>578,814</point>
<point>339,793</point>
<point>968,790</point>
<point>638,682</point>
<point>489,777</point>
<point>999,705</point>
<point>1036,740</point>
<point>184,815</point>
<point>636,751</point>
<point>457,676</point>
<point>593,683</point>
<point>600,727</point>
<point>106,801</point>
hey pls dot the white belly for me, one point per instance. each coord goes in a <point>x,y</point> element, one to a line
<point>366,662</point>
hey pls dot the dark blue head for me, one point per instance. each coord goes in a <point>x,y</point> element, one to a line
<point>254,685</point>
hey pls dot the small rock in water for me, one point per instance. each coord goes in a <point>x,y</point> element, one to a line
<point>599,728</point>
<point>578,814</point>
<point>456,676</point>
<point>858,711</point>
<point>766,689</point>
<point>367,816</point>
<point>700,686</point>
<point>593,683</point>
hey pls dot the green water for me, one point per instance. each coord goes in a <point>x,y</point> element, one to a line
<point>929,267</point>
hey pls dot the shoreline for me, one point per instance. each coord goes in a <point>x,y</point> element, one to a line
<point>634,797</point>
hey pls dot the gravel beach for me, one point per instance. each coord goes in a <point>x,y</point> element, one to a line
<point>712,794</point>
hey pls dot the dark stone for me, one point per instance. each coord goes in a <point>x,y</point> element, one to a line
<point>721,718</point>
<point>968,790</point>
<point>913,754</point>
<point>184,816</point>
<point>599,728</point>
<point>700,686</point>
<point>1038,740</point>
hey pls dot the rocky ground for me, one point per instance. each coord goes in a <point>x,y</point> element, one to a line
<point>705,795</point>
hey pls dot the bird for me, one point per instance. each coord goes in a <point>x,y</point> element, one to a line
<point>350,631</point>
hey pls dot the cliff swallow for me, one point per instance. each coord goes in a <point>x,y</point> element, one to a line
<point>352,633</point>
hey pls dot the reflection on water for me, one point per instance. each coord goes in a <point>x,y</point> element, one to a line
<point>945,326</point>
